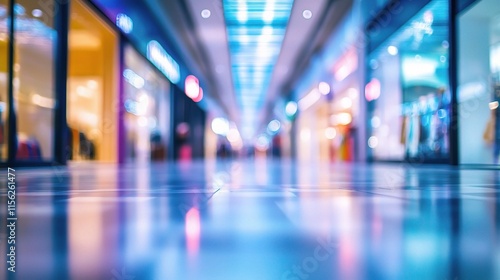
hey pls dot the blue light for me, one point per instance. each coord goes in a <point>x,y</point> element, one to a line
<point>256,30</point>
<point>125,23</point>
<point>165,63</point>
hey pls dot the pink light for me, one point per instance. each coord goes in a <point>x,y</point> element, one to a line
<point>192,87</point>
<point>193,229</point>
<point>346,65</point>
<point>372,90</point>
<point>199,97</point>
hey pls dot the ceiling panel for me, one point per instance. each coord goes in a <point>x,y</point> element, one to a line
<point>256,30</point>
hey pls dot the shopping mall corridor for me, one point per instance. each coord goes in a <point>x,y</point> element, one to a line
<point>254,220</point>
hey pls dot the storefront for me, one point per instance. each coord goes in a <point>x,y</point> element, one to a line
<point>27,88</point>
<point>313,142</point>
<point>408,88</point>
<point>93,77</point>
<point>330,123</point>
<point>478,27</point>
<point>81,84</point>
<point>345,116</point>
<point>147,105</point>
<point>432,84</point>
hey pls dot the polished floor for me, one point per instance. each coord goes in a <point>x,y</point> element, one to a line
<point>255,220</point>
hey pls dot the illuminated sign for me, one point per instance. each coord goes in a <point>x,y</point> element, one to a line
<point>125,23</point>
<point>164,62</point>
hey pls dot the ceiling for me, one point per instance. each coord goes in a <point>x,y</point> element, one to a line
<point>249,51</point>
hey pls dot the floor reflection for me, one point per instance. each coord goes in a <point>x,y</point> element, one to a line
<point>256,220</point>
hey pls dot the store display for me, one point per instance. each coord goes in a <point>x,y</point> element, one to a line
<point>28,148</point>
<point>425,126</point>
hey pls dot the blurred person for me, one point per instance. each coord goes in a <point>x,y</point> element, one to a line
<point>184,151</point>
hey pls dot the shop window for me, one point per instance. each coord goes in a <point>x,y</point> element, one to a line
<point>92,107</point>
<point>408,94</point>
<point>34,97</point>
<point>4,77</point>
<point>147,118</point>
<point>479,83</point>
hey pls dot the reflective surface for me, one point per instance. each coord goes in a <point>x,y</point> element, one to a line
<point>256,220</point>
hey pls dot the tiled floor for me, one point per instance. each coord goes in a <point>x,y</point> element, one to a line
<point>255,220</point>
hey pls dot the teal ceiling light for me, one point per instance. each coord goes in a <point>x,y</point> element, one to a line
<point>256,29</point>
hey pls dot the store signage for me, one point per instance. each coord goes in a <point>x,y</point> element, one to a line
<point>125,23</point>
<point>372,90</point>
<point>164,62</point>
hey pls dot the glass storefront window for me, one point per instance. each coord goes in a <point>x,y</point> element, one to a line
<point>92,107</point>
<point>4,77</point>
<point>34,95</point>
<point>479,83</point>
<point>408,91</point>
<point>147,116</point>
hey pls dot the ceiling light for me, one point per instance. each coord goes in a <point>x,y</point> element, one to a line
<point>268,16</point>
<point>392,50</point>
<point>307,14</point>
<point>37,13</point>
<point>267,30</point>
<point>206,13</point>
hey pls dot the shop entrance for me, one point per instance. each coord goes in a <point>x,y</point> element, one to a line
<point>92,113</point>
